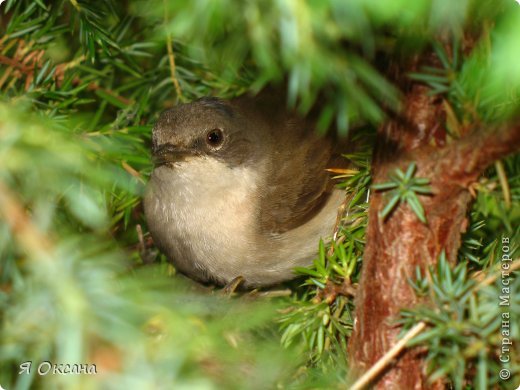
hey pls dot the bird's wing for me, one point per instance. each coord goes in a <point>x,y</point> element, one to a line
<point>298,184</point>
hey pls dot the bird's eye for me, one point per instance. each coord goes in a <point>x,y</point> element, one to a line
<point>215,137</point>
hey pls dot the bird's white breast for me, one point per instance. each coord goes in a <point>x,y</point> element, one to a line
<point>207,205</point>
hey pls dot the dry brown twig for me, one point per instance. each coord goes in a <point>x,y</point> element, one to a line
<point>171,56</point>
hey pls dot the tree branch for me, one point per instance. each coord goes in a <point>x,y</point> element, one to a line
<point>469,157</point>
<point>399,244</point>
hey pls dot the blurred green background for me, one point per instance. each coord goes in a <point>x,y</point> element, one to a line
<point>81,83</point>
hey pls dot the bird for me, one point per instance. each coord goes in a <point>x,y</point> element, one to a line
<point>240,189</point>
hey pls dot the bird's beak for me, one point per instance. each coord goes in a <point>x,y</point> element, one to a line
<point>168,153</point>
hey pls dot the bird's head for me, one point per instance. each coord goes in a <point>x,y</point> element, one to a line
<point>206,128</point>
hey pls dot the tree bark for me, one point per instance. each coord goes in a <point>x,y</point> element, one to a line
<point>397,245</point>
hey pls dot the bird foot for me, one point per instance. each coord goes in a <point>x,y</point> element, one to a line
<point>230,288</point>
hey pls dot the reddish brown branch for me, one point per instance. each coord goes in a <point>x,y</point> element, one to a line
<point>396,246</point>
<point>9,61</point>
<point>95,87</point>
<point>470,156</point>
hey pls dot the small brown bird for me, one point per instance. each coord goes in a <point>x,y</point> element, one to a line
<point>240,189</point>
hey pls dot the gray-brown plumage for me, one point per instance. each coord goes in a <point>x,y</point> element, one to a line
<point>240,188</point>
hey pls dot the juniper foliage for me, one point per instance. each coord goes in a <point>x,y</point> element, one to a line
<point>81,82</point>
